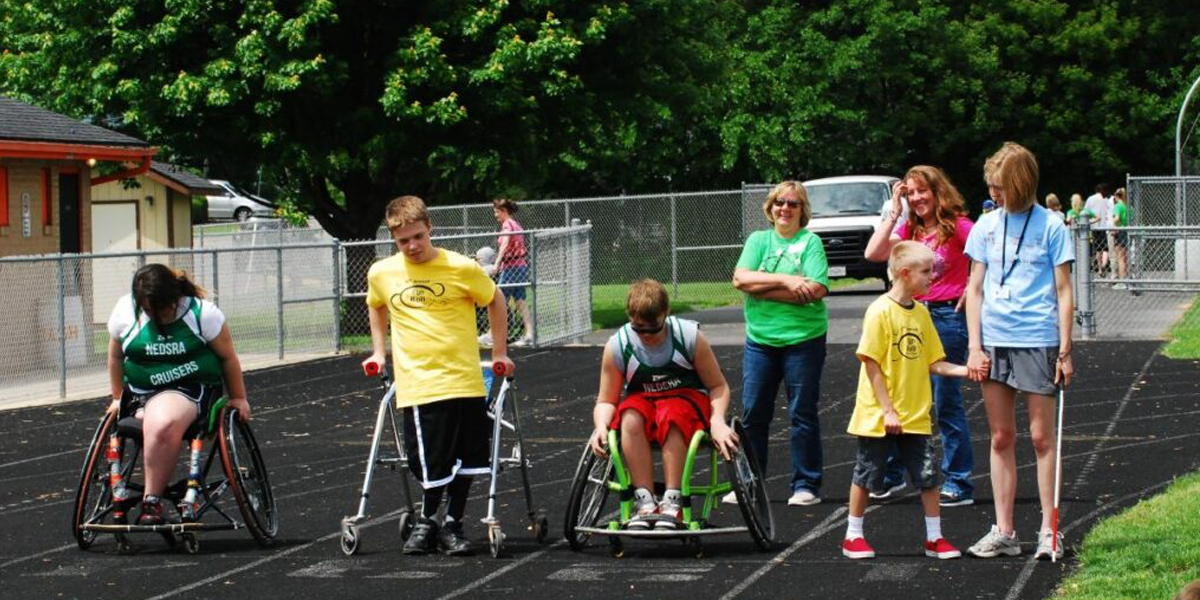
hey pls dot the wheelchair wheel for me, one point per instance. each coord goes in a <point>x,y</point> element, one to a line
<point>247,475</point>
<point>751,491</point>
<point>93,496</point>
<point>589,491</point>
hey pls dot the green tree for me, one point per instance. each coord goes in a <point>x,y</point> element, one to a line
<point>348,104</point>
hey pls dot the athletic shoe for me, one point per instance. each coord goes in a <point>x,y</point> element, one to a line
<point>890,491</point>
<point>1046,549</point>
<point>669,515</point>
<point>941,549</point>
<point>857,548</point>
<point>730,498</point>
<point>485,339</point>
<point>955,498</point>
<point>995,543</point>
<point>803,497</point>
<point>644,514</point>
<point>450,540</point>
<point>526,340</point>
<point>423,538</point>
<point>153,511</point>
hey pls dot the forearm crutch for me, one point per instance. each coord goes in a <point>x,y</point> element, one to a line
<point>1057,478</point>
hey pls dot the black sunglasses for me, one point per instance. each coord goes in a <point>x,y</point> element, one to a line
<point>790,203</point>
<point>648,330</point>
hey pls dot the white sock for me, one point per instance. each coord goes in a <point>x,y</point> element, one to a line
<point>673,496</point>
<point>933,529</point>
<point>643,496</point>
<point>854,527</point>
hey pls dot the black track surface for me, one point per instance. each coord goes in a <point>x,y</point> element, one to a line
<point>1130,428</point>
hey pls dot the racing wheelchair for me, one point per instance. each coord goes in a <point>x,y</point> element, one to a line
<point>108,489</point>
<point>501,408</point>
<point>596,478</point>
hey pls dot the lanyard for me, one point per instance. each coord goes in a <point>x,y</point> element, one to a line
<point>1017,252</point>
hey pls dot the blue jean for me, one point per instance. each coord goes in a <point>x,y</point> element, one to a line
<point>958,459</point>
<point>799,367</point>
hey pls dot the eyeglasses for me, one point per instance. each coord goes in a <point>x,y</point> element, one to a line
<point>648,330</point>
<point>790,203</point>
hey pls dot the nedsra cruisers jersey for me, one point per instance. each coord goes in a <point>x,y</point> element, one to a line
<point>175,353</point>
<point>675,370</point>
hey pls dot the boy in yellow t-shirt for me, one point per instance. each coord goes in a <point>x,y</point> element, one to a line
<point>429,295</point>
<point>898,350</point>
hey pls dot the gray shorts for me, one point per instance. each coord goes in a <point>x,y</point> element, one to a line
<point>1029,370</point>
<point>914,451</point>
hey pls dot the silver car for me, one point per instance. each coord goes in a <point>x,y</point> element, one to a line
<point>237,204</point>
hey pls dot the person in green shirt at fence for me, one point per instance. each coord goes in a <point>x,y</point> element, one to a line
<point>1120,239</point>
<point>784,274</point>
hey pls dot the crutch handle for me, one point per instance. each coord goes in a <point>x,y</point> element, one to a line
<point>370,369</point>
<point>500,369</point>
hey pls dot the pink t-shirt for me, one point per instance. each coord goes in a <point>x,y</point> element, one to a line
<point>951,268</point>
<point>514,253</point>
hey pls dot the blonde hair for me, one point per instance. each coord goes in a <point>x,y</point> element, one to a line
<point>801,196</point>
<point>406,210</point>
<point>907,254</point>
<point>1120,193</point>
<point>1077,203</point>
<point>948,209</point>
<point>647,300</point>
<point>1052,202</point>
<point>1014,169</point>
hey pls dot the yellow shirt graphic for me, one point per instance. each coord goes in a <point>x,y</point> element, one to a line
<point>435,354</point>
<point>904,343</point>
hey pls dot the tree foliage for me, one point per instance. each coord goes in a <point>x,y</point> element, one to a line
<point>345,105</point>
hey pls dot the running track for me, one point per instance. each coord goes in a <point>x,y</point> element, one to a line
<point>1129,431</point>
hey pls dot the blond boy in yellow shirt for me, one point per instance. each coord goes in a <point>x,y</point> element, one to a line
<point>898,350</point>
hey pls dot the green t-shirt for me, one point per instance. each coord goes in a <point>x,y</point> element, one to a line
<point>1120,214</point>
<point>774,323</point>
<point>1087,215</point>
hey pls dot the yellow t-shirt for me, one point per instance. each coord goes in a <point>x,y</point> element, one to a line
<point>435,353</point>
<point>904,343</point>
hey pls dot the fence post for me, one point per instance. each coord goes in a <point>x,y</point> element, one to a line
<point>567,213</point>
<point>216,277</point>
<point>1084,286</point>
<point>62,328</point>
<point>337,296</point>
<point>674,254</point>
<point>533,309</point>
<point>279,295</point>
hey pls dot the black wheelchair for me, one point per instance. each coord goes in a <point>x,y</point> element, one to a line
<point>108,490</point>
<point>596,478</point>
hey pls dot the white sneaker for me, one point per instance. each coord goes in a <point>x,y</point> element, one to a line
<point>803,497</point>
<point>730,498</point>
<point>889,492</point>
<point>995,543</point>
<point>485,339</point>
<point>526,340</point>
<point>1048,547</point>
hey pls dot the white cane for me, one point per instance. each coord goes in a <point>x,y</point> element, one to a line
<point>1057,479</point>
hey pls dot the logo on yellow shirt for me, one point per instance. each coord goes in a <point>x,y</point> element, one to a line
<point>419,295</point>
<point>908,344</point>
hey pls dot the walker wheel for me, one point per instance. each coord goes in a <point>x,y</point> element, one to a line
<point>495,540</point>
<point>124,546</point>
<point>615,547</point>
<point>191,545</point>
<point>405,524</point>
<point>350,539</point>
<point>540,528</point>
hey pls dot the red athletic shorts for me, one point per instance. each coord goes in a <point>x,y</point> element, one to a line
<point>687,409</point>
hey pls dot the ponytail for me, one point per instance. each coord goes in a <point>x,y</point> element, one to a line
<point>159,286</point>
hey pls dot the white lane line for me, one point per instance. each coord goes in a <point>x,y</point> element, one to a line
<point>76,450</point>
<point>1027,571</point>
<point>831,522</point>
<point>1112,424</point>
<point>497,573</point>
<point>38,555</point>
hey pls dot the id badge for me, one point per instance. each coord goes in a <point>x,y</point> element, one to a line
<point>1002,293</point>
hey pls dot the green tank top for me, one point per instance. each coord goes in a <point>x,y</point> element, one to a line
<point>175,353</point>
<point>678,372</point>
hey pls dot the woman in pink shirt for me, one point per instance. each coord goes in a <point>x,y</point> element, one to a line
<point>511,266</point>
<point>937,218</point>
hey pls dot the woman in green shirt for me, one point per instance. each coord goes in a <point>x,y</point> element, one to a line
<point>1120,218</point>
<point>783,273</point>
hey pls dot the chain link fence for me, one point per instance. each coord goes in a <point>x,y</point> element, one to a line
<point>281,301</point>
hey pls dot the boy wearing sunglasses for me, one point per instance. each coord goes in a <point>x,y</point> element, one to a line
<point>660,382</point>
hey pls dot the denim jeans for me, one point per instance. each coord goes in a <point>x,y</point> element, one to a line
<point>958,459</point>
<point>799,367</point>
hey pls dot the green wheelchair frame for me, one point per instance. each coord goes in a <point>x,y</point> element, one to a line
<point>596,477</point>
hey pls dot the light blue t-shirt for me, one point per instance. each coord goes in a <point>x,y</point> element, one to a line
<point>1028,316</point>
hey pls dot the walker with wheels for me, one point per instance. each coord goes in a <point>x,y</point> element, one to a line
<point>504,414</point>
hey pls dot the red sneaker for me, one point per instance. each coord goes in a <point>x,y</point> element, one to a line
<point>942,549</point>
<point>857,548</point>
